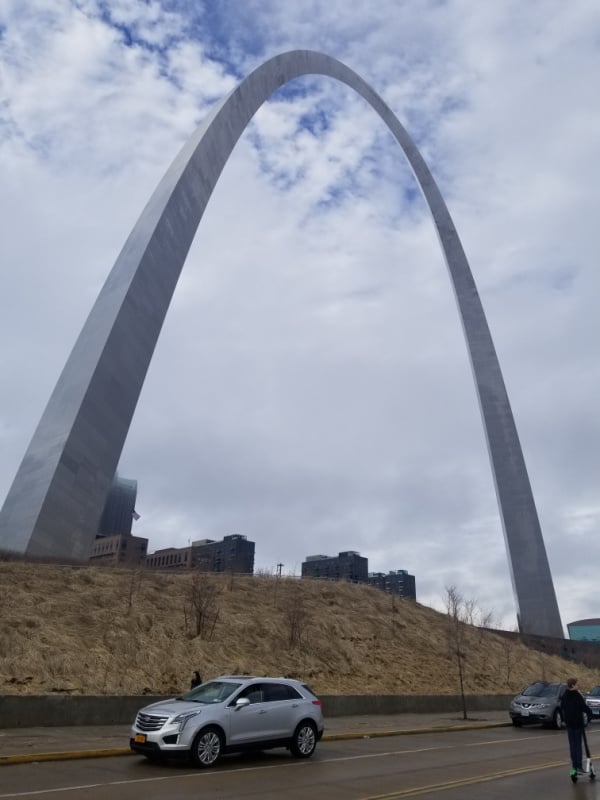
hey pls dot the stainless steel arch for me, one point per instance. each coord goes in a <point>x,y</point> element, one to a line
<point>55,501</point>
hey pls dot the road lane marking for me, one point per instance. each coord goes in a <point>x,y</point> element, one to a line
<point>502,741</point>
<point>441,787</point>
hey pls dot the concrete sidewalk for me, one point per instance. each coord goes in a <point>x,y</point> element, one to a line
<point>23,745</point>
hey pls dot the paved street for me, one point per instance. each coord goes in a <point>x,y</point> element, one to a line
<point>482,764</point>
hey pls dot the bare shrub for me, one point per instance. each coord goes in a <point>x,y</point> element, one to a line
<point>509,648</point>
<point>202,610</point>
<point>296,616</point>
<point>135,581</point>
<point>458,611</point>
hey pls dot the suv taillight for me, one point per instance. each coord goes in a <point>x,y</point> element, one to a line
<point>317,703</point>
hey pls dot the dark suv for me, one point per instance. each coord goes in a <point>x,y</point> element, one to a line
<point>539,703</point>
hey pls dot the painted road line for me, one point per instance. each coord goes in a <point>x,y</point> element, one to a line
<point>440,787</point>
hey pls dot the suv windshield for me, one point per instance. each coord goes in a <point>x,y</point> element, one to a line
<point>595,692</point>
<point>541,690</point>
<point>211,692</point>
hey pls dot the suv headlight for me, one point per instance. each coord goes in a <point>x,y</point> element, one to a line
<point>183,719</point>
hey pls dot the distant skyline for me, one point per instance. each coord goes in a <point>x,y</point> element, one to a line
<point>306,334</point>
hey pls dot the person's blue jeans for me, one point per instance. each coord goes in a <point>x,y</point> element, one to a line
<point>574,735</point>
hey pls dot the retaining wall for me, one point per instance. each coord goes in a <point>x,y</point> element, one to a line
<point>31,711</point>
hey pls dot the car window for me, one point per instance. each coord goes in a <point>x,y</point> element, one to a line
<point>254,693</point>
<point>280,691</point>
<point>595,692</point>
<point>541,689</point>
<point>211,692</point>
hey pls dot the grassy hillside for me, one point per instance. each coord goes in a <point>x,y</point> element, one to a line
<point>95,630</point>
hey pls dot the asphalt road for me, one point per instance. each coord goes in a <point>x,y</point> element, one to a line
<point>478,764</point>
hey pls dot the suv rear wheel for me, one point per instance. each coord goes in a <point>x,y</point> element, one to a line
<point>207,747</point>
<point>304,740</point>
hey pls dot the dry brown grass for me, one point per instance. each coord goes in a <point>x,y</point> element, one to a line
<point>94,630</point>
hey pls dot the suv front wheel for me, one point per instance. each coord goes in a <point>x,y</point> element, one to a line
<point>207,747</point>
<point>304,740</point>
<point>557,719</point>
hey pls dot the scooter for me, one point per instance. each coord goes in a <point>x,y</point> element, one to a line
<point>589,766</point>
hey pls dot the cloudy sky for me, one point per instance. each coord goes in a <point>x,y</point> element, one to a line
<point>311,387</point>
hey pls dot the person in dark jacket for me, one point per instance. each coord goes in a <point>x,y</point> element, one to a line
<point>196,680</point>
<point>573,707</point>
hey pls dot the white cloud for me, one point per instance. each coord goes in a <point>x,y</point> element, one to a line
<point>311,387</point>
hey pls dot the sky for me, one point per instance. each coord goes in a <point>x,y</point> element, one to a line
<point>311,387</point>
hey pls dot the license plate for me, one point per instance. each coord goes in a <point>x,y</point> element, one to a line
<point>525,713</point>
<point>140,738</point>
<point>596,711</point>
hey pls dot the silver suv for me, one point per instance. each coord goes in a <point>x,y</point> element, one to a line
<point>539,702</point>
<point>593,701</point>
<point>230,713</point>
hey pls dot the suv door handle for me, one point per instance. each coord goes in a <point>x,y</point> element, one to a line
<point>263,711</point>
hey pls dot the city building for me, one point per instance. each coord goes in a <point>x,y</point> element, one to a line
<point>233,554</point>
<point>347,566</point>
<point>119,509</point>
<point>119,549</point>
<point>395,582</point>
<point>585,630</point>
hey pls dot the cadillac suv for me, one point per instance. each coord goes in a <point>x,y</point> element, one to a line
<point>227,714</point>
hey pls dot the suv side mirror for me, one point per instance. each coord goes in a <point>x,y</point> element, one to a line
<point>241,702</point>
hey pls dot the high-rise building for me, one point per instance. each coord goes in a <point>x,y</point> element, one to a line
<point>347,566</point>
<point>395,582</point>
<point>119,509</point>
<point>114,543</point>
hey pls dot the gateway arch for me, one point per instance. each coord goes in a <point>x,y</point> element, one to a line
<point>54,504</point>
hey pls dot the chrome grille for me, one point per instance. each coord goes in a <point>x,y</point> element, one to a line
<point>149,722</point>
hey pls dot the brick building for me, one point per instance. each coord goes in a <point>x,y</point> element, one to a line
<point>233,554</point>
<point>119,549</point>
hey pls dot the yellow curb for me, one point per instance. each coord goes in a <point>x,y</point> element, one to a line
<point>29,758</point>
